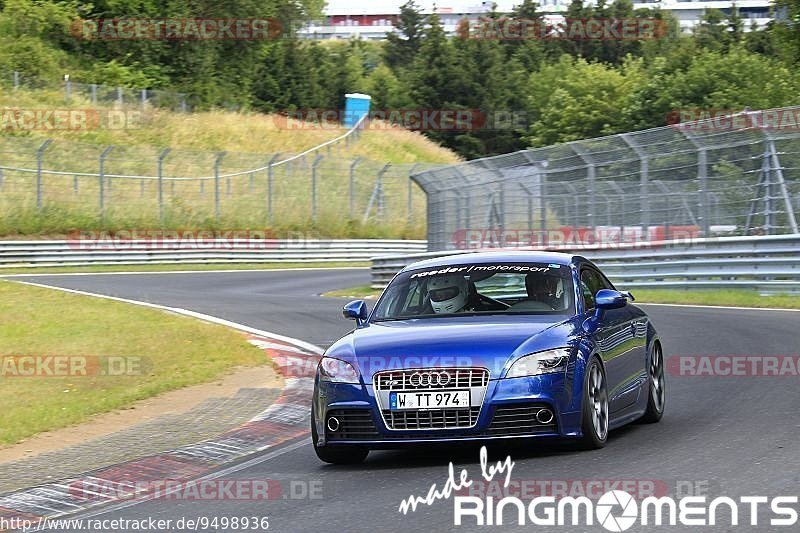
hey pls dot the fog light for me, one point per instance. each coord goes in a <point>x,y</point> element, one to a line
<point>333,424</point>
<point>544,416</point>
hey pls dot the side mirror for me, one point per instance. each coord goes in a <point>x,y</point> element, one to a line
<point>603,300</point>
<point>608,299</point>
<point>356,310</point>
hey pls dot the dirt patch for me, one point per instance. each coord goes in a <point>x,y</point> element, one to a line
<point>174,402</point>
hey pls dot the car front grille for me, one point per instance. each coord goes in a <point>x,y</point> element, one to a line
<point>511,420</point>
<point>394,380</point>
<point>354,424</point>
<point>431,379</point>
<point>432,418</point>
<point>520,419</point>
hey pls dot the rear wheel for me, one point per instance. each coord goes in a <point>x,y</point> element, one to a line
<point>595,407</point>
<point>657,397</point>
<point>342,455</point>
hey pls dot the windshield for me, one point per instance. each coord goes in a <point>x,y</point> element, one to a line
<point>473,289</point>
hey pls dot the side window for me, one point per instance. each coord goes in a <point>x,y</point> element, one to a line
<point>591,282</point>
<point>606,284</point>
<point>393,298</point>
<point>414,298</point>
<point>588,296</point>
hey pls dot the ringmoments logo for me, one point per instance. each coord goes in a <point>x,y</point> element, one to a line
<point>616,499</point>
<point>615,510</point>
<point>618,510</point>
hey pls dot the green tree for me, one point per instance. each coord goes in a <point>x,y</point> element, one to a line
<point>485,83</point>
<point>574,99</point>
<point>714,80</point>
<point>289,77</point>
<point>787,30</point>
<point>31,38</point>
<point>434,71</point>
<point>403,45</point>
<point>735,25</point>
<point>712,31</point>
<point>529,52</point>
<point>386,90</point>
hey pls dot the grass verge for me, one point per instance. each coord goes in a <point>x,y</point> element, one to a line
<point>364,292</point>
<point>160,352</point>
<point>178,267</point>
<point>345,184</point>
<point>725,298</point>
<point>721,297</point>
<point>218,130</point>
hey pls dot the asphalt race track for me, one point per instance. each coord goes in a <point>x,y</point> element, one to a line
<point>721,436</point>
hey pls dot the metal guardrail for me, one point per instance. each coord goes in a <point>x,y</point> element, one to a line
<point>766,263</point>
<point>16,254</point>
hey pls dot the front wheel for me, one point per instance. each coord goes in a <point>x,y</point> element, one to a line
<point>344,455</point>
<point>594,423</point>
<point>657,397</point>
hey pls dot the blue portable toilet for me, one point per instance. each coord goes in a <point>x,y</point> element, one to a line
<point>356,105</point>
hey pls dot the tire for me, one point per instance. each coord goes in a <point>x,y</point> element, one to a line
<point>594,421</point>
<point>656,387</point>
<point>344,455</point>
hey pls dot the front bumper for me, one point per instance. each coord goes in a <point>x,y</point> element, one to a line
<point>509,410</point>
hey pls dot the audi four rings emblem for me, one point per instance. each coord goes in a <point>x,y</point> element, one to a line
<point>428,379</point>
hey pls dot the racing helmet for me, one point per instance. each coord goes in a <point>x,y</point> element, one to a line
<point>448,293</point>
<point>544,287</point>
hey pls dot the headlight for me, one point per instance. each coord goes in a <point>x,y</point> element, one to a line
<point>535,364</point>
<point>337,371</point>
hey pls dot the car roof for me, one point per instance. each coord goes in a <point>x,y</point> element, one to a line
<point>496,257</point>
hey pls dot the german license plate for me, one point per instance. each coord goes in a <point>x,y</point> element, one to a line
<point>449,399</point>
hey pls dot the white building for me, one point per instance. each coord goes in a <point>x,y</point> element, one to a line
<point>374,19</point>
<point>690,12</point>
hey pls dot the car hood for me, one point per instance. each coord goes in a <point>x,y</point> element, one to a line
<point>489,342</point>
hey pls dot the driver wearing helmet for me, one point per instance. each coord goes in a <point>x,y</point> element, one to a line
<point>543,288</point>
<point>448,293</point>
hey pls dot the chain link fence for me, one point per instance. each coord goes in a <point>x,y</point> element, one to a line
<point>99,95</point>
<point>55,186</point>
<point>694,179</point>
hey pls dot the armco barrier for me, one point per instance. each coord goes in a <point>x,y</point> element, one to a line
<point>765,263</point>
<point>15,254</point>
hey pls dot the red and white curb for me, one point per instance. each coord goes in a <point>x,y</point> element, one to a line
<point>285,419</point>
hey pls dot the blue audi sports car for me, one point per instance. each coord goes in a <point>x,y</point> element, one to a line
<point>493,345</point>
